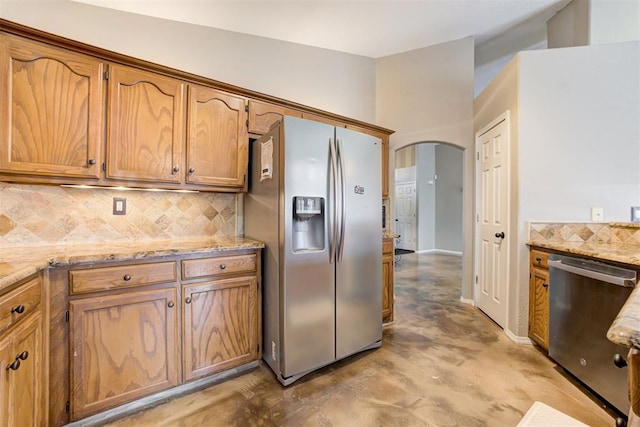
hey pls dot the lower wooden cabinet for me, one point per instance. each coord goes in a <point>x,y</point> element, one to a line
<point>123,347</point>
<point>220,328</point>
<point>138,329</point>
<point>387,280</point>
<point>22,364</point>
<point>539,298</point>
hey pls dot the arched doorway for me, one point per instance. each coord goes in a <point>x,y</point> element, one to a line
<point>457,229</point>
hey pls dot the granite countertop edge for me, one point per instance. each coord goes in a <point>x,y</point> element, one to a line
<point>19,263</point>
<point>625,329</point>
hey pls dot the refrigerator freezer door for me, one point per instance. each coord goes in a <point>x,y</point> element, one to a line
<point>307,283</point>
<point>359,274</point>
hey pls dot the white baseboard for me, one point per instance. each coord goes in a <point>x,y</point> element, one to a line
<point>469,301</point>
<point>518,339</point>
<point>439,251</point>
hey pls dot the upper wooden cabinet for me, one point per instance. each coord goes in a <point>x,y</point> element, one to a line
<point>145,132</point>
<point>51,110</point>
<point>263,115</point>
<point>217,143</point>
<point>71,113</point>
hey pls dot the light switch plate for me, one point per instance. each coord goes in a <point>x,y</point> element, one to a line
<point>635,213</point>
<point>597,213</point>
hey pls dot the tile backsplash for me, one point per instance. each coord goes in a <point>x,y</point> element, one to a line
<point>35,215</point>
<point>588,232</point>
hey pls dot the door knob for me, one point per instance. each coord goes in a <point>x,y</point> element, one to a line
<point>500,235</point>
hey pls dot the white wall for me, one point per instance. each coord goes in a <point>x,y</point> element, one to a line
<point>492,55</point>
<point>613,21</point>
<point>575,143</point>
<point>580,132</point>
<point>448,198</point>
<point>336,82</point>
<point>592,22</point>
<point>426,95</point>
<point>426,199</point>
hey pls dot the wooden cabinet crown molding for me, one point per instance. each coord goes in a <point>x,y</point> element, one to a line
<point>114,57</point>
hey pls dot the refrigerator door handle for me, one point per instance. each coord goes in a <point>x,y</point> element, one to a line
<point>333,229</point>
<point>343,193</point>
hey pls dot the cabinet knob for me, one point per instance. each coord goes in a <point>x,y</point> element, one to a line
<point>14,366</point>
<point>545,285</point>
<point>171,304</point>
<point>127,277</point>
<point>187,300</point>
<point>92,162</point>
<point>18,309</point>
<point>23,355</point>
<point>619,361</point>
<point>176,168</point>
<point>621,422</point>
<point>223,266</point>
<point>191,170</point>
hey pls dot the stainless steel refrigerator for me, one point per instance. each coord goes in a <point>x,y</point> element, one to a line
<point>314,199</point>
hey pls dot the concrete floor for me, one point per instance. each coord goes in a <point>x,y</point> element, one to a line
<point>442,363</point>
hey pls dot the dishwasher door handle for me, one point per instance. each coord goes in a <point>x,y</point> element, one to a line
<point>627,282</point>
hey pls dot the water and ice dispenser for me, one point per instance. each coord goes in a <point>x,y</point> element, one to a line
<point>308,223</point>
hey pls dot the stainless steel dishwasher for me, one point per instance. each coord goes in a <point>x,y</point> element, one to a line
<point>584,298</point>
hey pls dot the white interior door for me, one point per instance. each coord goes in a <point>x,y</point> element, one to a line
<point>405,209</point>
<point>492,241</point>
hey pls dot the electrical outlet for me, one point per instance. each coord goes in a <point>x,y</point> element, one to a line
<point>597,214</point>
<point>119,206</point>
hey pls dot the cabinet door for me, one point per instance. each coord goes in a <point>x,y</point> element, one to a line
<point>262,116</point>
<point>218,142</point>
<point>51,110</point>
<point>220,326</point>
<point>123,347</point>
<point>145,132</point>
<point>539,307</point>
<point>387,288</point>
<point>22,376</point>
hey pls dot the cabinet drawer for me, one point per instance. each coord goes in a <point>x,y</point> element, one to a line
<point>19,303</point>
<point>539,259</point>
<point>387,246</point>
<point>203,267</point>
<point>106,278</point>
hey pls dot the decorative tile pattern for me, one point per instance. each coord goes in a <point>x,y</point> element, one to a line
<point>33,215</point>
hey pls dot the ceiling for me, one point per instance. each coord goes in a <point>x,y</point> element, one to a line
<point>368,28</point>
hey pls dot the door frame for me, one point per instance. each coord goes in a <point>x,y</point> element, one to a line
<point>504,117</point>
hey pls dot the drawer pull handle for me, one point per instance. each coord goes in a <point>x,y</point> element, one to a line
<point>23,355</point>
<point>545,285</point>
<point>127,277</point>
<point>223,266</point>
<point>188,300</point>
<point>538,259</point>
<point>171,304</point>
<point>619,361</point>
<point>14,366</point>
<point>18,309</point>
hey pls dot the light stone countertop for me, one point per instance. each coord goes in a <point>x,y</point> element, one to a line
<point>625,329</point>
<point>17,263</point>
